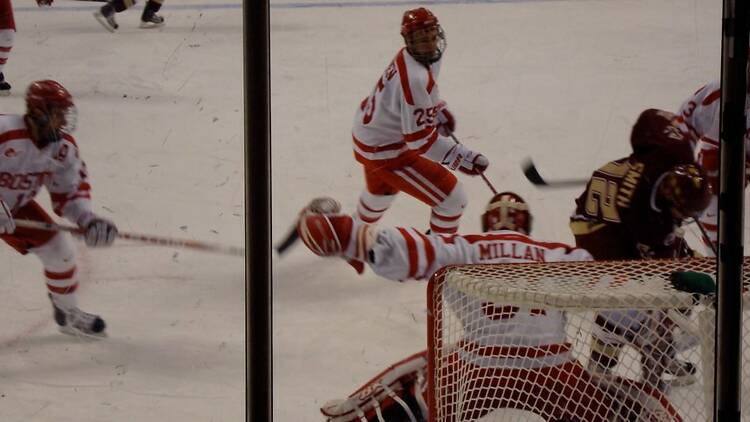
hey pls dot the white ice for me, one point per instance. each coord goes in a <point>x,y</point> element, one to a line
<point>559,81</point>
<point>160,126</point>
<point>161,129</point>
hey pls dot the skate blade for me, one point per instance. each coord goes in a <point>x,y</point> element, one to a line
<point>66,329</point>
<point>5,93</point>
<point>150,25</point>
<point>682,381</point>
<point>103,21</point>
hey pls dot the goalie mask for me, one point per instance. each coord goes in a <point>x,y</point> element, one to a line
<point>423,35</point>
<point>685,190</point>
<point>507,211</point>
<point>50,110</point>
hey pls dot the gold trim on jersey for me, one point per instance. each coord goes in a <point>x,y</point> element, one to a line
<point>585,227</point>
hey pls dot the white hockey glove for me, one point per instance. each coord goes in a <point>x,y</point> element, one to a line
<point>97,231</point>
<point>465,160</point>
<point>7,225</point>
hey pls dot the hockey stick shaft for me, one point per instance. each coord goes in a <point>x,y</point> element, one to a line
<point>289,240</point>
<point>706,239</point>
<point>144,238</point>
<point>486,180</point>
<point>532,174</point>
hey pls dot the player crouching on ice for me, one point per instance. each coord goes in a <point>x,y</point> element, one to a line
<point>504,374</point>
<point>37,150</point>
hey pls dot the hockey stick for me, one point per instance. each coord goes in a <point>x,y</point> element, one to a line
<point>290,239</point>
<point>486,180</point>
<point>706,239</point>
<point>144,238</point>
<point>536,179</point>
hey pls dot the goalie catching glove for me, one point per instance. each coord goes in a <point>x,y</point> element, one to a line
<point>333,234</point>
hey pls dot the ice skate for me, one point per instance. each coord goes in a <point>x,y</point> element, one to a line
<point>4,86</point>
<point>153,21</point>
<point>106,17</point>
<point>78,323</point>
<point>680,373</point>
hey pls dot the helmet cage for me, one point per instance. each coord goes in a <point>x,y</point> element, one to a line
<point>507,211</point>
<point>423,35</point>
<point>687,190</point>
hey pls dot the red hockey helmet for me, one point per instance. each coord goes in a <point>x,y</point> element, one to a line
<point>423,35</point>
<point>507,211</point>
<point>686,191</point>
<point>51,108</point>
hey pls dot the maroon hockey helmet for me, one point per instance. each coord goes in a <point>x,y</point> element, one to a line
<point>50,106</point>
<point>686,190</point>
<point>423,35</point>
<point>507,211</point>
<point>655,129</point>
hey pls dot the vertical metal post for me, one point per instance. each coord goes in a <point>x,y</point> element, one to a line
<point>727,385</point>
<point>258,275</point>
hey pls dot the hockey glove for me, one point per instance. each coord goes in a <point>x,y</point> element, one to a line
<point>97,231</point>
<point>693,282</point>
<point>7,225</point>
<point>446,121</point>
<point>465,160</point>
<point>337,235</point>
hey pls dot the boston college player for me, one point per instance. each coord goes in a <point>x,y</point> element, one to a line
<point>541,376</point>
<point>36,151</point>
<point>699,118</point>
<point>401,131</point>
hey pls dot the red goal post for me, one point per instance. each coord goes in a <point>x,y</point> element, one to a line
<point>491,360</point>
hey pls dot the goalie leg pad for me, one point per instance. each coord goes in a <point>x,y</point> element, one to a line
<point>396,394</point>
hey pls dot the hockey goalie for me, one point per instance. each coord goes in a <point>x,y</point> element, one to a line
<point>525,363</point>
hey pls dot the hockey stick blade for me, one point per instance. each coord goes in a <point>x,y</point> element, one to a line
<point>536,179</point>
<point>290,239</point>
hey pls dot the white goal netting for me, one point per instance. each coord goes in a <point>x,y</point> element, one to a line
<point>589,341</point>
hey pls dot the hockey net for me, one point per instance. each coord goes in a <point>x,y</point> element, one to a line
<point>491,360</point>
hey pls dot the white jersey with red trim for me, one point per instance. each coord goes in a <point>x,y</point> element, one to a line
<point>520,337</point>
<point>399,118</point>
<point>699,116</point>
<point>24,169</point>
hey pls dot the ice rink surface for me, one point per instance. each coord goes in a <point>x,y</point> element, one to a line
<point>160,128</point>
<point>559,81</point>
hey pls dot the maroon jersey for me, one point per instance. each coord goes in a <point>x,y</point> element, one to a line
<point>618,216</point>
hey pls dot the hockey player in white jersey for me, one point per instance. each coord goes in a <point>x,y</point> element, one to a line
<point>401,132</point>
<point>516,363</point>
<point>38,151</point>
<point>699,118</point>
